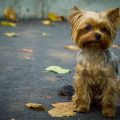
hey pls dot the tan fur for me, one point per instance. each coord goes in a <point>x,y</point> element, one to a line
<point>94,78</point>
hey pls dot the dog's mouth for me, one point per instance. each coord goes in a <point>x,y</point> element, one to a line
<point>91,43</point>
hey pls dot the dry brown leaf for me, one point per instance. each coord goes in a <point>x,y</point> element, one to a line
<point>61,18</point>
<point>62,110</point>
<point>72,47</point>
<point>35,106</point>
<point>10,14</point>
<point>27,50</point>
<point>116,46</point>
<point>61,113</point>
<point>64,104</point>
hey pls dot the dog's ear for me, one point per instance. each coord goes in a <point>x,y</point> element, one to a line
<point>114,16</point>
<point>75,14</point>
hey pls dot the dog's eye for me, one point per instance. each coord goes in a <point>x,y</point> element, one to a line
<point>88,27</point>
<point>104,29</point>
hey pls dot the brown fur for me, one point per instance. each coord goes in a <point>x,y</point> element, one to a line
<point>94,78</point>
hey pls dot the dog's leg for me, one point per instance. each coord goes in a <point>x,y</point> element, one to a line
<point>82,97</point>
<point>108,101</point>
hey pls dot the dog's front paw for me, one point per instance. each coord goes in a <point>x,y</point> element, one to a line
<point>109,112</point>
<point>82,108</point>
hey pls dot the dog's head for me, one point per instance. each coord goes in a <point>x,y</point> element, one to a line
<point>90,28</point>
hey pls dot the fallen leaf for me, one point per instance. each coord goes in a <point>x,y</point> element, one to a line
<point>6,23</point>
<point>116,46</point>
<point>61,18</point>
<point>57,69</point>
<point>11,34</point>
<point>69,105</point>
<point>28,58</point>
<point>46,22</point>
<point>10,14</point>
<point>35,106</point>
<point>65,109</point>
<point>45,34</point>
<point>49,97</point>
<point>54,17</point>
<point>27,50</point>
<point>72,47</point>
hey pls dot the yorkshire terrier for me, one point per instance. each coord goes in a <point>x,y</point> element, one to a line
<point>96,77</point>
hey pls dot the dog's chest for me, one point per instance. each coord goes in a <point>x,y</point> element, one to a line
<point>93,65</point>
<point>93,68</point>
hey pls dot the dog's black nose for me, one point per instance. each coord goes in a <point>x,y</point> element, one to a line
<point>97,36</point>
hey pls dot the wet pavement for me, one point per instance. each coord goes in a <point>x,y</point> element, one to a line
<point>22,75</point>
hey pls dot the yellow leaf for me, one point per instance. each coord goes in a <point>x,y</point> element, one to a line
<point>54,17</point>
<point>35,106</point>
<point>11,34</point>
<point>5,23</point>
<point>65,109</point>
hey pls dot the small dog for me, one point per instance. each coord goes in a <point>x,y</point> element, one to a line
<point>96,77</point>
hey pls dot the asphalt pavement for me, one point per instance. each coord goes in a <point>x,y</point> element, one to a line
<point>23,79</point>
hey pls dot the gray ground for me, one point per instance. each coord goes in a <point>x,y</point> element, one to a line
<point>24,80</point>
